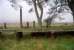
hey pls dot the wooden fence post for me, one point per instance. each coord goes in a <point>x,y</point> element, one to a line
<point>5,26</point>
<point>27,24</point>
<point>47,24</point>
<point>1,36</point>
<point>33,24</point>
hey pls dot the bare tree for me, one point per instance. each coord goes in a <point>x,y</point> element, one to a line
<point>37,4</point>
<point>39,17</point>
<point>60,7</point>
<point>69,3</point>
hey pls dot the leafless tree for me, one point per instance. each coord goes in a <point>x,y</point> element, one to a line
<point>60,7</point>
<point>37,4</point>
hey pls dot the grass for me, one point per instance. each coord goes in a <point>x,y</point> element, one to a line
<point>49,27</point>
<point>9,42</point>
<point>16,26</point>
<point>43,29</point>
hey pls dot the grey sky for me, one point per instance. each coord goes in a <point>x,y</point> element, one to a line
<point>9,14</point>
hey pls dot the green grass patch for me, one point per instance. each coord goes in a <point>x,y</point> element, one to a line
<point>43,43</point>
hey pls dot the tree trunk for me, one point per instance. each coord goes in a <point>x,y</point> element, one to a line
<point>39,17</point>
<point>21,25</point>
<point>34,24</point>
<point>40,22</point>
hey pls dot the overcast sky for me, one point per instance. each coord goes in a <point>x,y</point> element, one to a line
<point>10,15</point>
